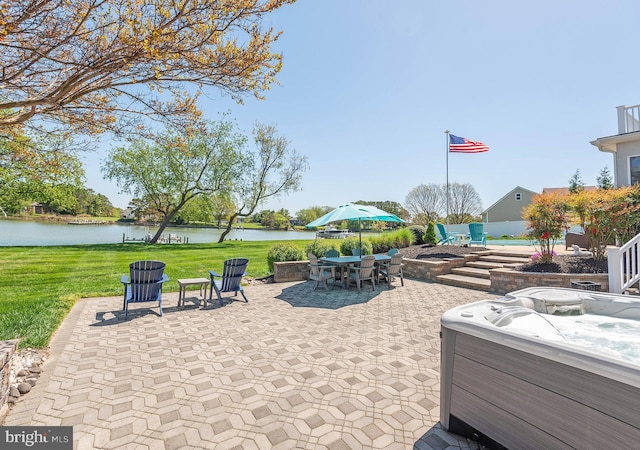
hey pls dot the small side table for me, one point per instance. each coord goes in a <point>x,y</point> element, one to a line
<point>183,283</point>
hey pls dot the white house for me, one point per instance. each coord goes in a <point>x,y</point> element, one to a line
<point>625,146</point>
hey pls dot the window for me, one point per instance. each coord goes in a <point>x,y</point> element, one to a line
<point>518,196</point>
<point>634,170</point>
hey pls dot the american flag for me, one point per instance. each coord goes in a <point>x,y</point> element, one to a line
<point>464,145</point>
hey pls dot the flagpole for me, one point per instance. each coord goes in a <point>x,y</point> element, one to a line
<point>446,132</point>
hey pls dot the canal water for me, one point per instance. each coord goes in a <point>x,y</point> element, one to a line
<point>22,232</point>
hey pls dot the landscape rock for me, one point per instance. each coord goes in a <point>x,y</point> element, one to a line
<point>24,388</point>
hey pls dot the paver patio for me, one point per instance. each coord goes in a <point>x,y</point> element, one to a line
<point>293,368</point>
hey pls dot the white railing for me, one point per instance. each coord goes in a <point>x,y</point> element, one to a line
<point>628,119</point>
<point>624,268</point>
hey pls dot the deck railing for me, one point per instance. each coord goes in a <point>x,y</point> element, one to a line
<point>624,268</point>
<point>628,119</point>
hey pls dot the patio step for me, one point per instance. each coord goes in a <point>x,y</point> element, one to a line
<point>471,272</point>
<point>483,265</point>
<point>476,275</point>
<point>506,259</point>
<point>512,253</point>
<point>465,281</point>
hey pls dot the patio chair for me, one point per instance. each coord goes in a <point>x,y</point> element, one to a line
<point>446,239</point>
<point>392,251</point>
<point>579,239</point>
<point>392,269</point>
<point>319,273</point>
<point>332,253</point>
<point>233,271</point>
<point>356,252</point>
<point>365,271</point>
<point>476,235</point>
<point>144,284</point>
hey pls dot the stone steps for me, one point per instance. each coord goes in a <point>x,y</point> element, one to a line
<point>503,259</point>
<point>471,272</point>
<point>465,281</point>
<point>476,275</point>
<point>483,265</point>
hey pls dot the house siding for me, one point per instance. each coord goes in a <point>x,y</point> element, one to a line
<point>625,151</point>
<point>508,208</point>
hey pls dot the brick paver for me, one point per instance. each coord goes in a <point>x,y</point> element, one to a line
<point>293,368</point>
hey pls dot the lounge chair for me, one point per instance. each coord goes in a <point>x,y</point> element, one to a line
<point>579,239</point>
<point>477,235</point>
<point>144,284</point>
<point>446,239</point>
<point>233,271</point>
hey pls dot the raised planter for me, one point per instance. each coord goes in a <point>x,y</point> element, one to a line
<point>290,271</point>
<point>508,280</point>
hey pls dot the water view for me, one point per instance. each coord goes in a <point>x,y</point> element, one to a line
<point>19,232</point>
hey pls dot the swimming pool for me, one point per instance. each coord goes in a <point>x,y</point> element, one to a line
<point>523,242</point>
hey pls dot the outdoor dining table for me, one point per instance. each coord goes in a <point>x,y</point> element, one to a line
<point>343,262</point>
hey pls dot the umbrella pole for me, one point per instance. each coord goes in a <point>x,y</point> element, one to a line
<point>360,233</point>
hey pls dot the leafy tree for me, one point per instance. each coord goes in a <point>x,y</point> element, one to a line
<point>308,215</point>
<point>575,183</point>
<point>388,206</point>
<point>222,206</point>
<point>604,180</point>
<point>274,170</point>
<point>275,220</point>
<point>83,65</point>
<point>144,210</point>
<point>547,217</point>
<point>175,169</point>
<point>76,200</point>
<point>464,203</point>
<point>37,169</point>
<point>425,203</point>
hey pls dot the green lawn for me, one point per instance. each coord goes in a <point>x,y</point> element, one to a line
<point>39,285</point>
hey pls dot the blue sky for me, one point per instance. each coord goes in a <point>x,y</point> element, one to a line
<point>368,88</point>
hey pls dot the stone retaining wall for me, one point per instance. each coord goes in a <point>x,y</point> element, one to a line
<point>7,349</point>
<point>422,269</point>
<point>504,281</point>
<point>290,271</point>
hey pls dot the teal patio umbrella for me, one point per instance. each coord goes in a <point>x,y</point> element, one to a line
<point>353,211</point>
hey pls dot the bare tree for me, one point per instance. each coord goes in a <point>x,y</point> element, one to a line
<point>464,203</point>
<point>425,203</point>
<point>273,171</point>
<point>96,65</point>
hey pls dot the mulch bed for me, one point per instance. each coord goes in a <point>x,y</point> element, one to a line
<point>568,264</point>
<point>560,264</point>
<point>437,251</point>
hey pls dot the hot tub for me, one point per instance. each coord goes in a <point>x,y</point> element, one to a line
<point>543,368</point>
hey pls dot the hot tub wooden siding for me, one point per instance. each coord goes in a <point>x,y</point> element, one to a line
<point>525,401</point>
